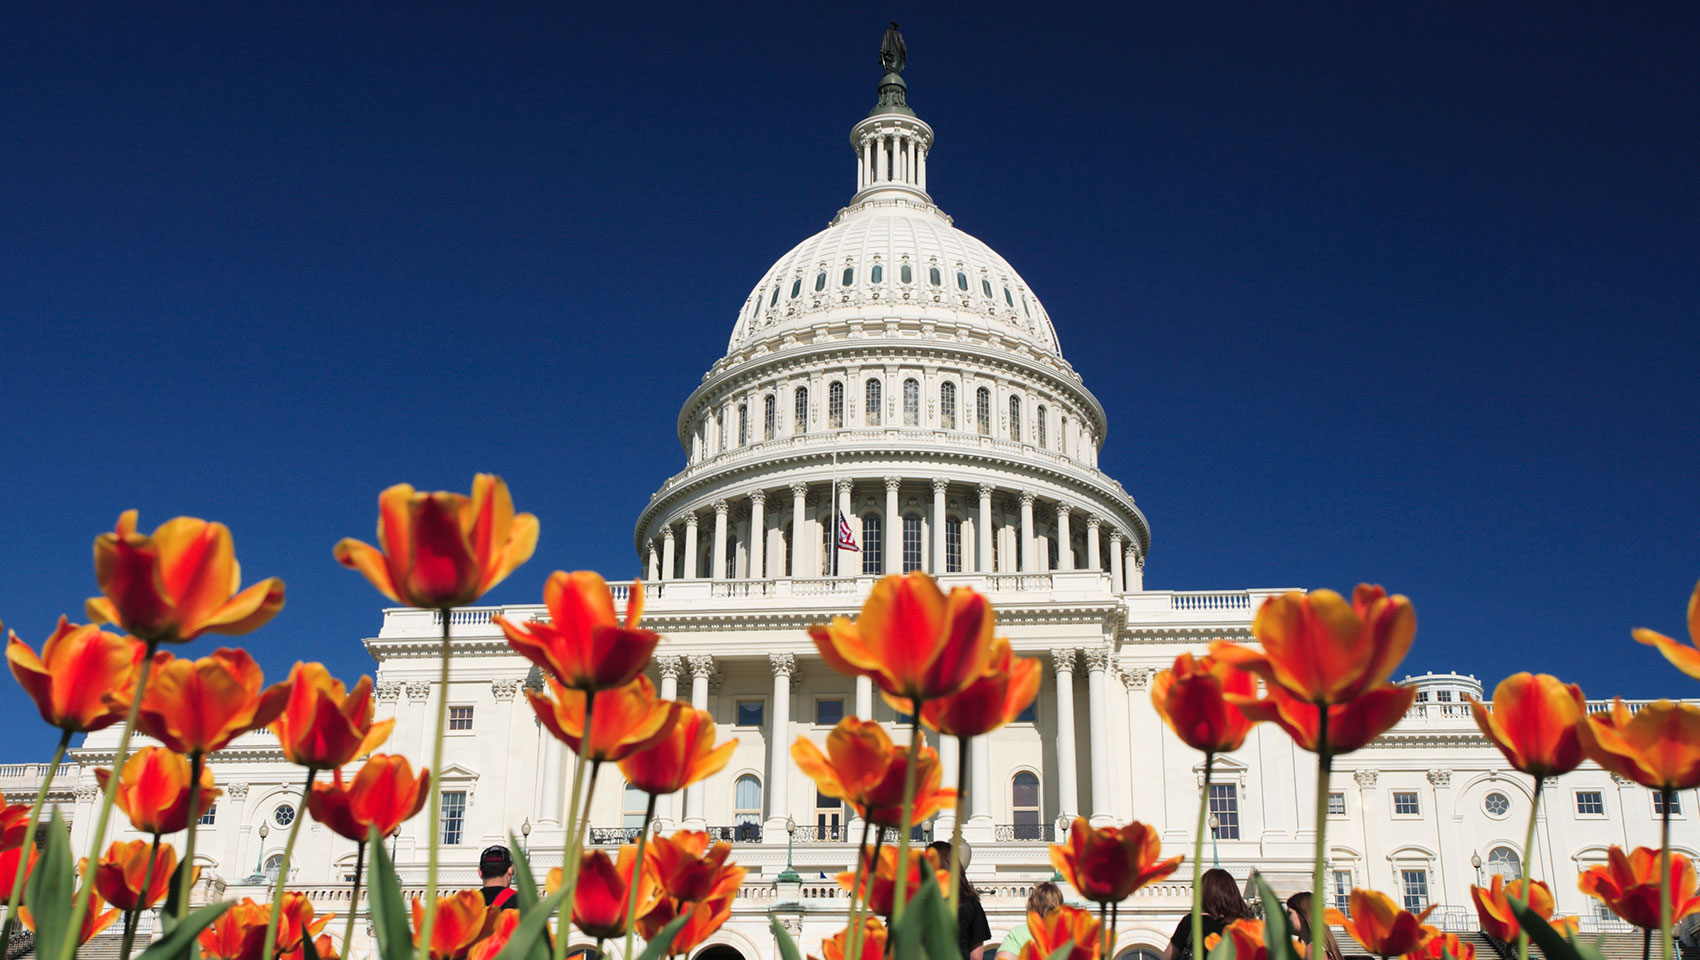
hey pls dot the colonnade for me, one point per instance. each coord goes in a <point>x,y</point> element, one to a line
<point>959,528</point>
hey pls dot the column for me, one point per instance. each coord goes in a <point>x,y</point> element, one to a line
<point>718,558</point>
<point>779,746</point>
<point>667,553</point>
<point>702,667</point>
<point>864,698</point>
<point>950,766</point>
<point>1029,562</point>
<point>690,546</point>
<point>879,158</point>
<point>846,565</point>
<point>1145,749</point>
<point>983,551</point>
<point>799,552</point>
<point>1065,541</point>
<point>1116,583</point>
<point>921,167</point>
<point>1068,784</point>
<point>938,525</point>
<point>1094,559</point>
<point>670,665</point>
<point>893,528</point>
<point>550,810</point>
<point>1098,728</point>
<point>1135,567</point>
<point>979,827</point>
<point>654,562</point>
<point>758,534</point>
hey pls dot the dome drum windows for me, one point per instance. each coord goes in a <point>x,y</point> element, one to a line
<point>947,405</point>
<point>770,416</point>
<point>935,277</point>
<point>1007,298</point>
<point>796,288</point>
<point>983,411</point>
<point>962,281</point>
<point>911,402</point>
<point>873,403</point>
<point>911,542</point>
<point>876,274</point>
<point>906,274</point>
<point>849,276</point>
<point>801,422</point>
<point>820,281</point>
<point>986,287</point>
<point>1015,419</point>
<point>1039,427</point>
<point>873,543</point>
<point>835,405</point>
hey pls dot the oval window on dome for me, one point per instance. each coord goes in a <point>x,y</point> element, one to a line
<point>1007,298</point>
<point>876,274</point>
<point>907,275</point>
<point>849,276</point>
<point>986,285</point>
<point>937,280</point>
<point>796,287</point>
<point>1025,308</point>
<point>961,280</point>
<point>775,298</point>
<point>820,282</point>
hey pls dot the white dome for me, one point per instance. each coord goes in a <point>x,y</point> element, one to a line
<point>871,242</point>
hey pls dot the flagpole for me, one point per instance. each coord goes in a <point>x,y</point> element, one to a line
<point>832,498</point>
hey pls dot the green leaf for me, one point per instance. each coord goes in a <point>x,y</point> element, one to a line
<point>787,949</point>
<point>1063,952</point>
<point>938,926</point>
<point>1278,932</point>
<point>525,885</point>
<point>533,929</point>
<point>657,948</point>
<point>905,936</point>
<point>1554,945</point>
<point>390,921</point>
<point>49,891</point>
<point>168,917</point>
<point>181,940</point>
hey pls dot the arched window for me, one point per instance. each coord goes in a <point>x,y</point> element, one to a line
<point>873,543</point>
<point>911,402</point>
<point>770,417</point>
<point>1015,419</point>
<point>986,287</point>
<point>731,572</point>
<point>983,411</point>
<point>835,405</point>
<point>1062,435</point>
<point>820,281</point>
<point>1039,426</point>
<point>725,433</point>
<point>933,275</point>
<point>947,405</point>
<point>961,280</point>
<point>911,542</point>
<point>877,274</point>
<point>1024,806</point>
<point>775,298</point>
<point>872,404</point>
<point>1007,298</point>
<point>952,545</point>
<point>274,863</point>
<point>802,418</point>
<point>633,803</point>
<point>849,276</point>
<point>796,287</point>
<point>1051,553</point>
<point>746,801</point>
<point>743,424</point>
<point>1504,862</point>
<point>907,274</point>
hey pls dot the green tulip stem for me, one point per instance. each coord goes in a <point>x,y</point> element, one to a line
<point>1324,772</point>
<point>1529,865</point>
<point>863,865</point>
<point>132,916</point>
<point>571,848</point>
<point>197,763</point>
<point>901,888</point>
<point>633,882</point>
<point>1664,874</point>
<point>270,942</point>
<point>956,825</point>
<point>1198,860</point>
<point>353,899</point>
<point>436,814</point>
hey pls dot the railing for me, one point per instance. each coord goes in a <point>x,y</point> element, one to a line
<point>736,833</point>
<point>1217,600</point>
<point>920,834</point>
<point>1594,923</point>
<point>1604,706</point>
<point>1438,711</point>
<point>832,833</point>
<point>34,772</point>
<point>1454,918</point>
<point>1025,831</point>
<point>614,836</point>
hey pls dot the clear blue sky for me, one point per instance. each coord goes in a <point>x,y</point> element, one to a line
<point>1404,293</point>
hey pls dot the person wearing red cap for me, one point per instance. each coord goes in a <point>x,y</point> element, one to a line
<point>496,866</point>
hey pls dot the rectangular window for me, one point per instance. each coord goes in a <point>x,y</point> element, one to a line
<point>1590,803</point>
<point>207,818</point>
<point>873,544</point>
<point>1340,890</point>
<point>829,818</point>
<point>1443,696</point>
<point>952,545</point>
<point>911,542</point>
<point>454,816</point>
<point>743,424</point>
<point>750,713</point>
<point>947,405</point>
<point>1336,804</point>
<point>1225,811</point>
<point>1414,884</point>
<point>911,403</point>
<point>460,718</point>
<point>829,711</point>
<point>1405,804</point>
<point>1659,805</point>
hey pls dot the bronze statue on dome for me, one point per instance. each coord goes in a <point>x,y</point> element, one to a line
<point>892,51</point>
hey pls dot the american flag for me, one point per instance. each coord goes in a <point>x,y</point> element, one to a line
<point>846,539</point>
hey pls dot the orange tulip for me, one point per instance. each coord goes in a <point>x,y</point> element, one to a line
<point>1065,926</point>
<point>1533,722</point>
<point>1380,925</point>
<point>324,948</point>
<point>603,889</point>
<point>1107,864</point>
<point>1249,938</point>
<point>202,705</point>
<point>684,755</point>
<point>1629,886</point>
<point>178,583</point>
<point>584,645</point>
<point>1191,697</point>
<point>689,867</point>
<point>998,695</point>
<point>123,878</point>
<point>153,790</point>
<point>863,766</point>
<point>323,725</point>
<point>913,641</point>
<point>1351,725</point>
<point>1322,650</point>
<point>872,942</point>
<point>443,549</point>
<point>94,921</point>
<point>384,794</point>
<point>83,680</point>
<point>458,925</point>
<point>507,921</point>
<point>1684,658</point>
<point>1657,746</point>
<point>625,720</point>
<point>1441,946</point>
<point>9,868</point>
<point>1493,904</point>
<point>238,934</point>
<point>877,878</point>
<point>14,824</point>
<point>705,917</point>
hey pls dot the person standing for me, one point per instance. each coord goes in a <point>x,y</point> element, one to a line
<point>972,931</point>
<point>1298,918</point>
<point>1222,904</point>
<point>496,867</point>
<point>1045,897</point>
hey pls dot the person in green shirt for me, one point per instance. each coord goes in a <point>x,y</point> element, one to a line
<point>1044,898</point>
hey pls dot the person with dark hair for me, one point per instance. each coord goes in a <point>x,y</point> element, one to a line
<point>1045,897</point>
<point>1222,904</point>
<point>496,867</point>
<point>1298,917</point>
<point>972,931</point>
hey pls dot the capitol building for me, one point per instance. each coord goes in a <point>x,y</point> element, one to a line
<point>897,371</point>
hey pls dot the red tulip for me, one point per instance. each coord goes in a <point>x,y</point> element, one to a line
<point>153,790</point>
<point>1533,722</point>
<point>603,890</point>
<point>1322,650</point>
<point>507,921</point>
<point>178,583</point>
<point>94,920</point>
<point>1065,926</point>
<point>1351,725</point>
<point>1107,864</point>
<point>383,795</point>
<point>202,705</point>
<point>84,678</point>
<point>584,645</point>
<point>1192,698</point>
<point>1629,886</point>
<point>872,942</point>
<point>911,639</point>
<point>705,917</point>
<point>238,934</point>
<point>1493,904</point>
<point>323,725</point>
<point>863,766</point>
<point>994,698</point>
<point>1684,658</point>
<point>123,876</point>
<point>459,923</point>
<point>1380,925</point>
<point>684,755</point>
<point>625,720</point>
<point>9,868</point>
<point>877,878</point>
<point>1657,746</point>
<point>688,866</point>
